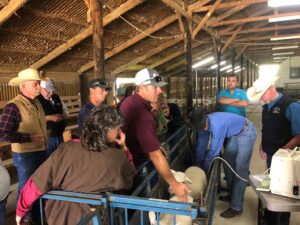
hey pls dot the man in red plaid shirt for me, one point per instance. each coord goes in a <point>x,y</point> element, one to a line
<point>23,124</point>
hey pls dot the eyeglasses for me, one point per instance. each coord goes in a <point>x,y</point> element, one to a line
<point>156,78</point>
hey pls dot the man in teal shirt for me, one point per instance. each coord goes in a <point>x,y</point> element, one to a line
<point>233,99</point>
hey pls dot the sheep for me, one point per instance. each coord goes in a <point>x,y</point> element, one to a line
<point>199,181</point>
<point>195,179</point>
<point>167,219</point>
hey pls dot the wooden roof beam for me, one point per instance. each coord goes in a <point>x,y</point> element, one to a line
<point>255,30</point>
<point>172,56</point>
<point>132,41</point>
<point>198,5</point>
<point>231,39</point>
<point>268,37</point>
<point>128,5</point>
<point>259,13</point>
<point>206,52</point>
<point>177,7</point>
<point>205,18</point>
<point>253,19</point>
<point>227,5</point>
<point>8,10</point>
<point>226,14</point>
<point>148,54</point>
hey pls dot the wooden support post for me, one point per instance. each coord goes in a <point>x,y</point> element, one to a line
<point>201,89</point>
<point>190,80</point>
<point>252,73</point>
<point>98,45</point>
<point>233,60</point>
<point>211,87</point>
<point>218,72</point>
<point>248,74</point>
<point>241,74</point>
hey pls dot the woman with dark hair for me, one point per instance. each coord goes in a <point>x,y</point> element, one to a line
<point>91,166</point>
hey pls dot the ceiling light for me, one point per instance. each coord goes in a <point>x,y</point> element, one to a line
<point>278,3</point>
<point>284,18</point>
<point>203,62</point>
<point>285,37</point>
<point>236,71</point>
<point>216,65</point>
<point>237,67</point>
<point>228,71</point>
<point>283,57</point>
<point>226,68</point>
<point>283,53</point>
<point>285,47</point>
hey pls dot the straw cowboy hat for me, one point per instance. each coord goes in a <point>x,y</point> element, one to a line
<point>260,86</point>
<point>25,75</point>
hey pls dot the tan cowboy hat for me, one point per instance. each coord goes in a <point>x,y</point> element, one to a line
<point>25,75</point>
<point>259,87</point>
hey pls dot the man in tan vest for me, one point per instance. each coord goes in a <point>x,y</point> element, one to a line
<point>23,124</point>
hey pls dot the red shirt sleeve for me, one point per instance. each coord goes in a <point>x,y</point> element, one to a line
<point>29,194</point>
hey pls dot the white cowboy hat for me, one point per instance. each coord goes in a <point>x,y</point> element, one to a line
<point>25,75</point>
<point>259,87</point>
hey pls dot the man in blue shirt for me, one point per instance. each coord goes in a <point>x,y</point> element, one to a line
<point>98,90</point>
<point>223,125</point>
<point>280,128</point>
<point>233,99</point>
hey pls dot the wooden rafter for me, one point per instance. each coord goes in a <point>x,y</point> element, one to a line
<point>237,31</point>
<point>256,30</point>
<point>172,56</point>
<point>148,54</point>
<point>10,9</point>
<point>253,19</point>
<point>205,18</point>
<point>226,14</point>
<point>197,5</point>
<point>132,41</point>
<point>234,26</point>
<point>203,53</point>
<point>177,7</point>
<point>86,33</point>
<point>259,38</point>
<point>229,41</point>
<point>228,5</point>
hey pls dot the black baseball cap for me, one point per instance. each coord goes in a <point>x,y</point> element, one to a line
<point>99,83</point>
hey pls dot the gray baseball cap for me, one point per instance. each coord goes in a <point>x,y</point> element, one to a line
<point>49,85</point>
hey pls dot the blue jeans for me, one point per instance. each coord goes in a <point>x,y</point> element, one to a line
<point>201,147</point>
<point>2,210</point>
<point>237,153</point>
<point>26,164</point>
<point>53,143</point>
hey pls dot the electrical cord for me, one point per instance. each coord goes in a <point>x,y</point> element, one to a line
<point>224,161</point>
<point>138,29</point>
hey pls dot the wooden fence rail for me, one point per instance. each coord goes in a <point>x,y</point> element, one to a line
<point>63,89</point>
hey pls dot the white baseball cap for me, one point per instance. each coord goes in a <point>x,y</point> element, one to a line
<point>149,76</point>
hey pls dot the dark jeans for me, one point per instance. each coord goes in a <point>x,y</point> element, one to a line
<point>201,148</point>
<point>2,210</point>
<point>26,164</point>
<point>273,217</point>
<point>53,143</point>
